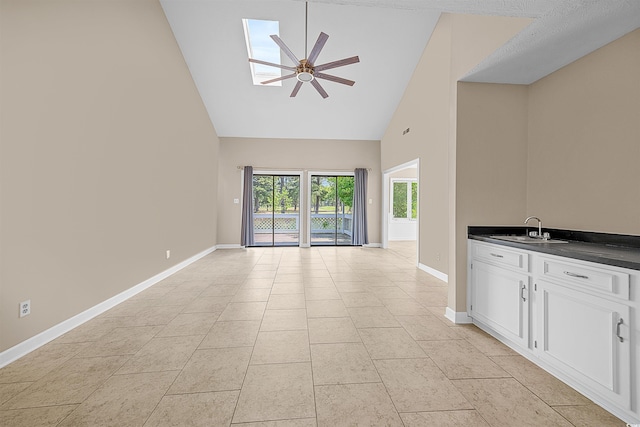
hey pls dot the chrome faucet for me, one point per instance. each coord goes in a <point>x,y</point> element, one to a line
<point>526,221</point>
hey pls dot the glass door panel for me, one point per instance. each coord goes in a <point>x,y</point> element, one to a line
<point>323,210</point>
<point>263,210</point>
<point>276,210</point>
<point>286,221</point>
<point>345,204</point>
<point>330,205</point>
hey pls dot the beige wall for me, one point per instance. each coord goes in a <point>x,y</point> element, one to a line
<point>292,155</point>
<point>424,109</point>
<point>473,39</point>
<point>108,157</point>
<point>405,173</point>
<point>584,142</point>
<point>491,164</point>
<point>429,109</point>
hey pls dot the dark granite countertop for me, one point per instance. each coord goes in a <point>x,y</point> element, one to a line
<point>610,249</point>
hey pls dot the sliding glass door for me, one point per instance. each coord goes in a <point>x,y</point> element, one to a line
<point>276,210</point>
<point>331,209</point>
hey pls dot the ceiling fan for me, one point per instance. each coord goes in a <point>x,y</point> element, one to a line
<point>305,69</point>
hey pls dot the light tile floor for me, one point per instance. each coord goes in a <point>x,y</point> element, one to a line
<point>287,337</point>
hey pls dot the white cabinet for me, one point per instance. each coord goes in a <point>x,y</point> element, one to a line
<point>576,319</point>
<point>582,335</point>
<point>500,299</point>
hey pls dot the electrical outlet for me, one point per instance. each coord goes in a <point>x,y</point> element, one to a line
<point>25,308</point>
<point>168,253</point>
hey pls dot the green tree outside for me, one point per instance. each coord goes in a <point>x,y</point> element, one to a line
<point>399,199</point>
<point>414,200</point>
<point>345,191</point>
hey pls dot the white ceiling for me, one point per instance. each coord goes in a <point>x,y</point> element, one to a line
<point>388,36</point>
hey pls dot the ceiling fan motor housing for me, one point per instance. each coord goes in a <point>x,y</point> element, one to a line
<point>304,71</point>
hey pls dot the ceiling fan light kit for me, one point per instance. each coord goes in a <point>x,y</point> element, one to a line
<point>305,71</point>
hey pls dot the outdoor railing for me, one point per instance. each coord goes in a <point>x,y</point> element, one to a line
<point>326,223</point>
<point>282,223</point>
<point>290,223</point>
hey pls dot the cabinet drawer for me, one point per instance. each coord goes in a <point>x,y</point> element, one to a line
<point>586,277</point>
<point>502,256</point>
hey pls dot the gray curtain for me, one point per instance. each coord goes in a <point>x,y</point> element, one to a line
<point>360,235</point>
<point>246,235</point>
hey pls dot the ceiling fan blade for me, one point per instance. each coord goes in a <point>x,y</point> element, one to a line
<point>322,39</point>
<point>288,76</point>
<point>319,88</point>
<point>334,79</point>
<point>296,89</point>
<point>336,64</point>
<point>285,49</point>
<point>271,64</point>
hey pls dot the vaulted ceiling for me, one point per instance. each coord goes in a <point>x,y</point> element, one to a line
<point>388,36</point>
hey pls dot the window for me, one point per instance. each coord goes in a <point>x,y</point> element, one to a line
<point>261,46</point>
<point>404,199</point>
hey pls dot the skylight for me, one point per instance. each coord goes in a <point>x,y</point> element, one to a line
<point>261,46</point>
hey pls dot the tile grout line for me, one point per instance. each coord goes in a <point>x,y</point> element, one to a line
<point>235,407</point>
<point>313,382</point>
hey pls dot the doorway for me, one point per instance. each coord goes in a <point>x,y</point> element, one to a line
<point>401,210</point>
<point>331,204</point>
<point>276,210</point>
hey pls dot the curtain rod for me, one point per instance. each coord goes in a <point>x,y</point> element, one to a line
<point>280,169</point>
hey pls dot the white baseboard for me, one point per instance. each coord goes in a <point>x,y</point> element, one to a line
<point>302,245</point>
<point>432,271</point>
<point>457,317</point>
<point>30,344</point>
<point>229,246</point>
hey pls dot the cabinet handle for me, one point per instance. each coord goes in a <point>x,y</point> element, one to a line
<point>496,255</point>
<point>620,322</point>
<point>579,276</point>
<point>522,289</point>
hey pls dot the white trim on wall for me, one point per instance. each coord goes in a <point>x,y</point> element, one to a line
<point>230,246</point>
<point>457,317</point>
<point>27,346</point>
<point>432,271</point>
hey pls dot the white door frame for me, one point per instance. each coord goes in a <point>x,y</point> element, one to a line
<point>386,200</point>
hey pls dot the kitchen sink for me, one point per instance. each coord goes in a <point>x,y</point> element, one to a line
<point>527,239</point>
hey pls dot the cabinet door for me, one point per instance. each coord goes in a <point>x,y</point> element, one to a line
<point>500,299</point>
<point>578,334</point>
